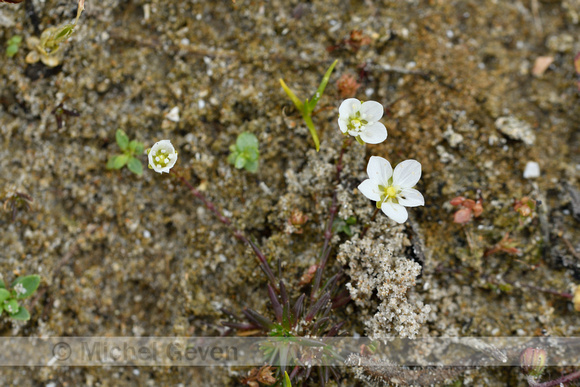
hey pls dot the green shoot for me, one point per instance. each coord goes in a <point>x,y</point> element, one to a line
<point>131,149</point>
<point>22,287</point>
<point>343,225</point>
<point>245,153</point>
<point>307,107</point>
<point>12,45</point>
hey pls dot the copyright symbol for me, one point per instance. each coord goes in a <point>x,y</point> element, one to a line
<point>61,351</point>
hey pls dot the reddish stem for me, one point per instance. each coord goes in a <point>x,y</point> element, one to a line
<point>237,233</point>
<point>564,379</point>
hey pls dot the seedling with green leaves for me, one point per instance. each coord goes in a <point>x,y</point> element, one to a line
<point>12,45</point>
<point>343,225</point>
<point>306,108</point>
<point>22,287</point>
<point>131,149</point>
<point>245,153</point>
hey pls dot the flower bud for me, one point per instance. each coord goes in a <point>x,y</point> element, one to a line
<point>533,361</point>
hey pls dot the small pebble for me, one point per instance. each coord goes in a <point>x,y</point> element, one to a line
<point>532,170</point>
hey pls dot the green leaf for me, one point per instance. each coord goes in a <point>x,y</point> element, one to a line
<point>2,285</point>
<point>4,294</point>
<point>136,147</point>
<point>120,161</point>
<point>299,105</point>
<point>251,154</point>
<point>30,283</point>
<point>135,166</point>
<point>351,220</point>
<point>16,39</point>
<point>22,314</point>
<point>122,139</point>
<point>286,382</point>
<point>11,305</point>
<point>233,156</point>
<point>312,104</point>
<point>139,148</point>
<point>246,141</point>
<point>11,50</point>
<point>251,166</point>
<point>240,161</point>
<point>111,162</point>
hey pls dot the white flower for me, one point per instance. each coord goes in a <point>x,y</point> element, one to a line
<point>361,120</point>
<point>162,156</point>
<point>393,190</point>
<point>19,289</point>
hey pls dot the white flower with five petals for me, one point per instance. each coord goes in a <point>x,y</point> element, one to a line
<point>361,120</point>
<point>393,190</point>
<point>162,156</point>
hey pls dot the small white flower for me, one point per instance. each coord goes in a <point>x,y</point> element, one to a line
<point>19,289</point>
<point>393,190</point>
<point>361,120</point>
<point>162,156</point>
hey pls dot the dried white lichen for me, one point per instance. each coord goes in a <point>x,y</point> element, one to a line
<point>381,276</point>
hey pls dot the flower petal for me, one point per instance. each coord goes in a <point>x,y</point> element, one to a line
<point>342,124</point>
<point>370,190</point>
<point>374,133</point>
<point>410,197</point>
<point>379,170</point>
<point>348,107</point>
<point>395,211</point>
<point>371,111</point>
<point>407,174</point>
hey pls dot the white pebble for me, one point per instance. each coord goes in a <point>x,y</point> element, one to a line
<point>173,114</point>
<point>532,170</point>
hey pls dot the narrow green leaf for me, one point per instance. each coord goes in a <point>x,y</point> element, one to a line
<point>247,140</point>
<point>120,161</point>
<point>22,314</point>
<point>30,284</point>
<point>2,285</point>
<point>299,105</point>
<point>135,166</point>
<point>4,294</point>
<point>122,139</point>
<point>251,166</point>
<point>286,382</point>
<point>240,161</point>
<point>312,129</point>
<point>316,97</point>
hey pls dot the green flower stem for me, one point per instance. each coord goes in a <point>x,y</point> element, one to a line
<point>237,233</point>
<point>307,107</point>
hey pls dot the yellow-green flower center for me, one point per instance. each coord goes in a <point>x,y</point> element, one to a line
<point>161,158</point>
<point>389,193</point>
<point>356,123</point>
